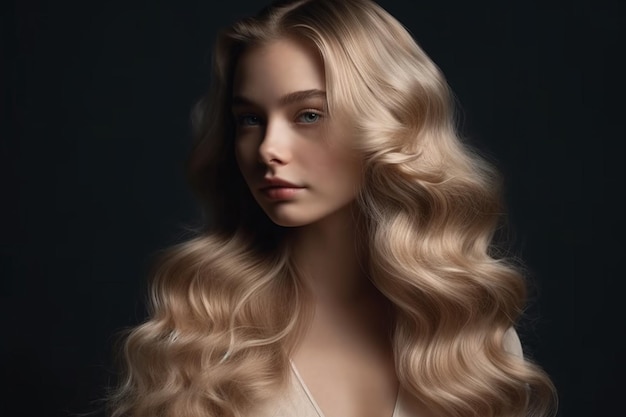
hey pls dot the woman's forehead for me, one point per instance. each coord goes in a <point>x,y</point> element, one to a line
<point>277,69</point>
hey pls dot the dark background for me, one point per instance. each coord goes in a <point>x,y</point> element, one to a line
<point>95,131</point>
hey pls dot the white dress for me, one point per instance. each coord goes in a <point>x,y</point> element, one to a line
<point>297,401</point>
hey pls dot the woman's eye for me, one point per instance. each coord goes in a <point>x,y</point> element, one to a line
<point>309,117</point>
<point>248,120</point>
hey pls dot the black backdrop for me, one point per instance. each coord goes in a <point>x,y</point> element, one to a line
<point>95,131</point>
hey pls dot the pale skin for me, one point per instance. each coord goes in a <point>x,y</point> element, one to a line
<point>284,132</point>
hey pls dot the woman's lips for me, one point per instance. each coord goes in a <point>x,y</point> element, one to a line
<point>280,192</point>
<point>276,188</point>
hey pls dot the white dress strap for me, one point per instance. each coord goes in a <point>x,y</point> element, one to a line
<point>304,388</point>
<point>302,385</point>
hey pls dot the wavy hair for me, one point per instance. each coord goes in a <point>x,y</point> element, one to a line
<point>227,306</point>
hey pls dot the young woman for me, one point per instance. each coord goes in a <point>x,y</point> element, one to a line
<point>346,269</point>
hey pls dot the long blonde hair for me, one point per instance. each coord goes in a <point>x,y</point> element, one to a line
<point>227,305</point>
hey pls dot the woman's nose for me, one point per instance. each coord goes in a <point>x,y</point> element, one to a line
<point>275,145</point>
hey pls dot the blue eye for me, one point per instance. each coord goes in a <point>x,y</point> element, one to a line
<point>309,117</point>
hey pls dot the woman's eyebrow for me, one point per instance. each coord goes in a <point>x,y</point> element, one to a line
<point>287,99</point>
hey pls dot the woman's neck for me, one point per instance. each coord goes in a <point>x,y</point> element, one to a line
<point>327,255</point>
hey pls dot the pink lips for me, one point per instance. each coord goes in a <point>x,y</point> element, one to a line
<point>279,189</point>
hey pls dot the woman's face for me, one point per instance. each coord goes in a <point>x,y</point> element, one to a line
<point>296,159</point>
